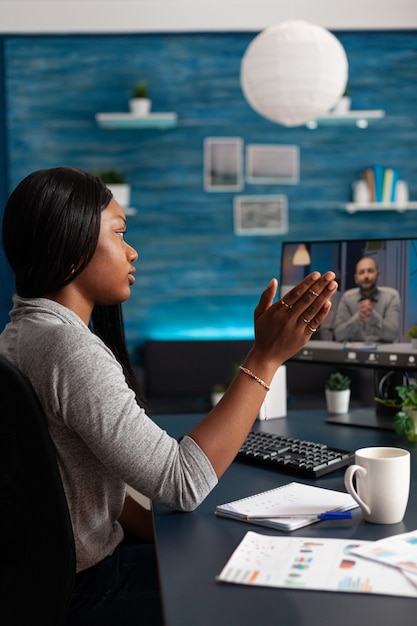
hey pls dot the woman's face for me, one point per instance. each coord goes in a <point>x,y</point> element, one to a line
<point>109,275</point>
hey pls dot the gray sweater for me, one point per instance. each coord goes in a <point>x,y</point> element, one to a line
<point>103,439</point>
<point>384,324</point>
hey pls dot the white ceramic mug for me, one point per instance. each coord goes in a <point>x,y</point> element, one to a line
<point>382,483</point>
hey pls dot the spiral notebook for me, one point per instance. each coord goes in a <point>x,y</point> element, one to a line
<point>288,507</point>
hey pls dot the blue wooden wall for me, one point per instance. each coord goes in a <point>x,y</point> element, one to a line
<point>195,277</point>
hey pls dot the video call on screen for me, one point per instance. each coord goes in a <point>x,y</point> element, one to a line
<point>396,260</point>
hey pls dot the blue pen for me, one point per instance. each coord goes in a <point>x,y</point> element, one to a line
<point>326,515</point>
<point>335,515</point>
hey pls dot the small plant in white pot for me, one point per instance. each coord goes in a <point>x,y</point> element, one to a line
<point>117,184</point>
<point>337,390</point>
<point>412,333</point>
<point>343,105</point>
<point>218,390</point>
<point>140,103</point>
<point>217,393</point>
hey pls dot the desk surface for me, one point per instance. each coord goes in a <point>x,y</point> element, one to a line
<point>193,547</point>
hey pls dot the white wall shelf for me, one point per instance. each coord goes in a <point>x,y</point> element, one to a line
<point>361,119</point>
<point>113,121</point>
<point>353,207</point>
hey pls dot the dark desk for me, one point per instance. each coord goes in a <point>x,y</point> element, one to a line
<point>193,547</point>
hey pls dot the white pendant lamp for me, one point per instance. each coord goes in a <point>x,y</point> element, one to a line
<point>293,72</point>
<point>301,255</point>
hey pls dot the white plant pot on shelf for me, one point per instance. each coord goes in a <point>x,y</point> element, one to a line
<point>121,193</point>
<point>343,106</point>
<point>337,401</point>
<point>140,106</point>
<point>414,343</point>
<point>216,396</point>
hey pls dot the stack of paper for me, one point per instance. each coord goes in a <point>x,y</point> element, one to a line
<point>324,564</point>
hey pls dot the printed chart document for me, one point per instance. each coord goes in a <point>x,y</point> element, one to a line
<point>399,551</point>
<point>287,508</point>
<point>312,563</point>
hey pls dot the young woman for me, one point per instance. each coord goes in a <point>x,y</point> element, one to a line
<point>64,237</point>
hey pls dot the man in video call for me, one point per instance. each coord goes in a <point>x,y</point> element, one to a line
<point>367,312</point>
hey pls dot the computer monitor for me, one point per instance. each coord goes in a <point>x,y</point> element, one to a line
<point>392,361</point>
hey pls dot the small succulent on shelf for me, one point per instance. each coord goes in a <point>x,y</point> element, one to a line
<point>337,382</point>
<point>412,332</point>
<point>140,102</point>
<point>111,177</point>
<point>221,387</point>
<point>140,90</point>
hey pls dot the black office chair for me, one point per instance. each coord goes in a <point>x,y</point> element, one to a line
<point>37,551</point>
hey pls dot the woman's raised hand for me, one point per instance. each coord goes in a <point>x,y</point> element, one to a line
<point>282,328</point>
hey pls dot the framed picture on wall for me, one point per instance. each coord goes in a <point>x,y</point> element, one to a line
<point>272,164</point>
<point>260,215</point>
<point>223,164</point>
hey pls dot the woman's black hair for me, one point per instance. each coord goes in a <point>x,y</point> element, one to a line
<point>51,226</point>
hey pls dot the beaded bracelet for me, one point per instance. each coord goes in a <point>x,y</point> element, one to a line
<point>252,375</point>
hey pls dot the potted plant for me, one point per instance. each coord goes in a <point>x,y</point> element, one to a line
<point>405,420</point>
<point>217,393</point>
<point>140,103</point>
<point>412,333</point>
<point>337,391</point>
<point>117,184</point>
<point>218,390</point>
<point>343,105</point>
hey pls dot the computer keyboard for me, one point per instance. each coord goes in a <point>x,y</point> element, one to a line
<point>292,456</point>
